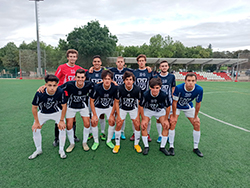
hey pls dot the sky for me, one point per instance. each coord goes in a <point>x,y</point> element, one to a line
<point>224,24</point>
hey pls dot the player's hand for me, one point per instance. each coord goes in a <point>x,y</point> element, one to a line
<point>41,89</point>
<point>173,119</point>
<point>144,124</point>
<point>111,120</point>
<point>137,120</point>
<point>91,69</point>
<point>94,120</point>
<point>61,125</point>
<point>197,121</point>
<point>114,82</point>
<point>36,126</point>
<point>149,69</point>
<point>165,124</point>
<point>118,120</point>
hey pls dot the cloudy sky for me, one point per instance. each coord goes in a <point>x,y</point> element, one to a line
<point>223,23</point>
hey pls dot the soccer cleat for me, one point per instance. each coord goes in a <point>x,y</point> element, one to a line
<point>116,149</point>
<point>159,139</point>
<point>113,137</point>
<point>35,154</point>
<point>85,146</point>
<point>70,148</point>
<point>90,136</point>
<point>110,144</point>
<point>103,136</point>
<point>138,148</point>
<point>76,139</point>
<point>56,142</point>
<point>163,150</point>
<point>132,138</point>
<point>95,146</point>
<point>123,136</point>
<point>149,139</point>
<point>171,151</point>
<point>62,154</point>
<point>145,150</point>
<point>198,152</point>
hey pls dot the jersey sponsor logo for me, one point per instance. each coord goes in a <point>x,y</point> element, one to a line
<point>118,79</point>
<point>184,101</point>
<point>142,83</point>
<point>96,80</point>
<point>128,102</point>
<point>105,102</point>
<point>49,103</point>
<point>142,74</point>
<point>188,94</point>
<point>164,81</point>
<point>78,98</point>
<point>73,71</point>
<point>154,107</point>
<point>70,78</point>
<point>165,88</point>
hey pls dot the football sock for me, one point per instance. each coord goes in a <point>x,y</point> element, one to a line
<point>123,126</point>
<point>95,134</point>
<point>110,133</point>
<point>159,128</point>
<point>37,137</point>
<point>164,141</point>
<point>70,134</point>
<point>117,137</point>
<point>56,132</point>
<point>149,126</point>
<point>62,139</point>
<point>90,130</point>
<point>196,135</point>
<point>102,123</point>
<point>133,127</point>
<point>137,137</point>
<point>74,129</point>
<point>85,134</point>
<point>171,135</point>
<point>145,141</point>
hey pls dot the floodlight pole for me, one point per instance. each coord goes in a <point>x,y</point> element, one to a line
<point>237,68</point>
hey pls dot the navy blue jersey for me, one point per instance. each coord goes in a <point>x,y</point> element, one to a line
<point>128,99</point>
<point>119,73</point>
<point>142,78</point>
<point>155,103</point>
<point>104,98</point>
<point>168,81</point>
<point>49,104</point>
<point>185,97</point>
<point>94,77</point>
<point>77,97</point>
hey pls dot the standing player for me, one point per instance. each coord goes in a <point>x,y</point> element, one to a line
<point>128,95</point>
<point>183,96</point>
<point>49,104</point>
<point>102,98</point>
<point>155,103</point>
<point>66,72</point>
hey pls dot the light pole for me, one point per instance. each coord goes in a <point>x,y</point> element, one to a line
<point>237,68</point>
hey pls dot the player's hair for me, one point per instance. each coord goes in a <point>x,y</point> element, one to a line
<point>190,74</point>
<point>128,74</point>
<point>51,78</point>
<point>141,55</point>
<point>80,71</point>
<point>107,73</point>
<point>73,51</point>
<point>97,56</point>
<point>164,61</point>
<point>155,81</point>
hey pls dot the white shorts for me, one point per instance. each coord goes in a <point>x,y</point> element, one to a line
<point>157,115</point>
<point>189,113</point>
<point>71,112</point>
<point>100,111</point>
<point>132,113</point>
<point>42,118</point>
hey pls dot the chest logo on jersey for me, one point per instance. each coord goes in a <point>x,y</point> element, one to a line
<point>142,74</point>
<point>142,83</point>
<point>128,102</point>
<point>105,102</point>
<point>118,79</point>
<point>165,88</point>
<point>78,98</point>
<point>188,94</point>
<point>49,103</point>
<point>96,80</point>
<point>184,101</point>
<point>73,71</point>
<point>96,75</point>
<point>79,92</point>
<point>154,107</point>
<point>70,78</point>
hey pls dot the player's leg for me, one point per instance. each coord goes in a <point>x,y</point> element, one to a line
<point>111,129</point>
<point>123,130</point>
<point>144,133</point>
<point>149,128</point>
<point>103,125</point>
<point>118,135</point>
<point>132,138</point>
<point>74,128</point>
<point>159,130</point>
<point>56,140</point>
<point>70,133</point>
<point>171,133</point>
<point>85,133</point>
<point>165,126</point>
<point>137,133</point>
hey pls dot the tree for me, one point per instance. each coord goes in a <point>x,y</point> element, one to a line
<point>10,55</point>
<point>131,51</point>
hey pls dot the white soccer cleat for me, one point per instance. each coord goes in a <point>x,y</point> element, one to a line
<point>35,154</point>
<point>70,148</point>
<point>85,146</point>
<point>62,154</point>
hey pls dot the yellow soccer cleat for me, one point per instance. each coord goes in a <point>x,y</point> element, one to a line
<point>138,148</point>
<point>116,149</point>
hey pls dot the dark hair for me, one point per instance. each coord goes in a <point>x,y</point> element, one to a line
<point>73,51</point>
<point>154,82</point>
<point>164,61</point>
<point>107,73</point>
<point>97,56</point>
<point>141,55</point>
<point>128,74</point>
<point>51,78</point>
<point>190,74</point>
<point>80,71</point>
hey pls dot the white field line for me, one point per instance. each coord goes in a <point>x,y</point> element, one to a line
<point>237,127</point>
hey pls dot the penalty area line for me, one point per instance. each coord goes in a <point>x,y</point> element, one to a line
<point>237,127</point>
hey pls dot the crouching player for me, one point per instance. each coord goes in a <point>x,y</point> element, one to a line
<point>78,92</point>
<point>128,95</point>
<point>183,96</point>
<point>155,103</point>
<point>49,104</point>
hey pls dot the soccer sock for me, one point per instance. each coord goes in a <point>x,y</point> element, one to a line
<point>110,133</point>
<point>85,134</point>
<point>102,123</point>
<point>90,130</point>
<point>56,132</point>
<point>74,128</point>
<point>123,126</point>
<point>70,134</point>
<point>37,137</point>
<point>171,135</point>
<point>164,141</point>
<point>159,128</point>
<point>196,135</point>
<point>145,141</point>
<point>133,127</point>
<point>117,137</point>
<point>62,139</point>
<point>95,134</point>
<point>137,137</point>
<point>149,126</point>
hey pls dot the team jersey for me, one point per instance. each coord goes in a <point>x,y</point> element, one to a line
<point>49,104</point>
<point>142,78</point>
<point>104,98</point>
<point>155,103</point>
<point>128,99</point>
<point>185,97</point>
<point>77,97</point>
<point>94,77</point>
<point>168,81</point>
<point>119,73</point>
<point>66,73</point>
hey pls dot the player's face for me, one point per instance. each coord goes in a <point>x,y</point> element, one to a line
<point>120,63</point>
<point>190,82</point>
<point>155,90</point>
<point>129,82</point>
<point>141,62</point>
<point>164,67</point>
<point>97,63</point>
<point>80,78</point>
<point>51,87</point>
<point>72,57</point>
<point>107,81</point>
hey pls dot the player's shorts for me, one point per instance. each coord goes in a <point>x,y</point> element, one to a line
<point>132,113</point>
<point>42,118</point>
<point>71,112</point>
<point>157,115</point>
<point>100,111</point>
<point>189,113</point>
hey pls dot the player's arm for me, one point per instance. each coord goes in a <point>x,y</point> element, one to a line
<point>197,109</point>
<point>173,88</point>
<point>36,124</point>
<point>94,119</point>
<point>173,118</point>
<point>112,114</point>
<point>61,124</point>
